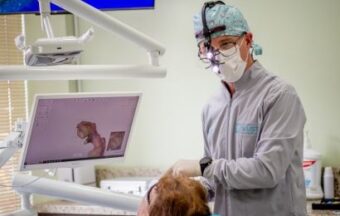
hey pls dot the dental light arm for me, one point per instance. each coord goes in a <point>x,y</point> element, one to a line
<point>45,12</point>
<point>109,23</point>
<point>106,22</point>
<point>83,72</point>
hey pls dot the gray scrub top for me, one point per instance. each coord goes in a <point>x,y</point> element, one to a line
<point>256,141</point>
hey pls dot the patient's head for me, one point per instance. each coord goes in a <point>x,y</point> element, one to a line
<point>176,196</point>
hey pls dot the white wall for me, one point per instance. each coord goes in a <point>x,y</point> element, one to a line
<point>300,42</point>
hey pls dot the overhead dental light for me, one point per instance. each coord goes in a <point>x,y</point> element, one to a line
<point>53,51</point>
<point>50,58</point>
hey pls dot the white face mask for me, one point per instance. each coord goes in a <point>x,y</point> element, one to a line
<point>233,67</point>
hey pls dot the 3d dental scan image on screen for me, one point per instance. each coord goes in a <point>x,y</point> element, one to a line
<point>169,107</point>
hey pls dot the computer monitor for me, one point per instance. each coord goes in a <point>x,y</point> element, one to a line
<point>72,130</point>
<point>32,6</point>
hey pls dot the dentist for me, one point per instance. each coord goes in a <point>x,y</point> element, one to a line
<point>252,127</point>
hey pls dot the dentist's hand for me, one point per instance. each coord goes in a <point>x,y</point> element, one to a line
<point>189,168</point>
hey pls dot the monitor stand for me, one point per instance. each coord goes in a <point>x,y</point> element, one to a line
<point>26,207</point>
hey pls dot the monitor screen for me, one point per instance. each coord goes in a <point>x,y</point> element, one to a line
<point>67,129</point>
<point>32,6</point>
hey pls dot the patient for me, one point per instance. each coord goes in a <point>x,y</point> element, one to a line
<point>175,196</point>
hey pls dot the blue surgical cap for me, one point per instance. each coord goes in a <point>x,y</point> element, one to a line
<point>223,15</point>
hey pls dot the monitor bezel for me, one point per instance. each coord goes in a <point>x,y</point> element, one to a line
<point>78,163</point>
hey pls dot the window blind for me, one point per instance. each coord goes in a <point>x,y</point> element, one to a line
<point>13,105</point>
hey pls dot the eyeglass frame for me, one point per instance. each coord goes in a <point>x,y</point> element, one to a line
<point>148,195</point>
<point>213,60</point>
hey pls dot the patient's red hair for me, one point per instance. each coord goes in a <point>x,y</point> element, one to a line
<point>179,196</point>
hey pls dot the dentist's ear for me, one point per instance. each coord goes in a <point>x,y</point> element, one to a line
<point>248,38</point>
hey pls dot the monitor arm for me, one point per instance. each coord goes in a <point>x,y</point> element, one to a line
<point>13,142</point>
<point>10,145</point>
